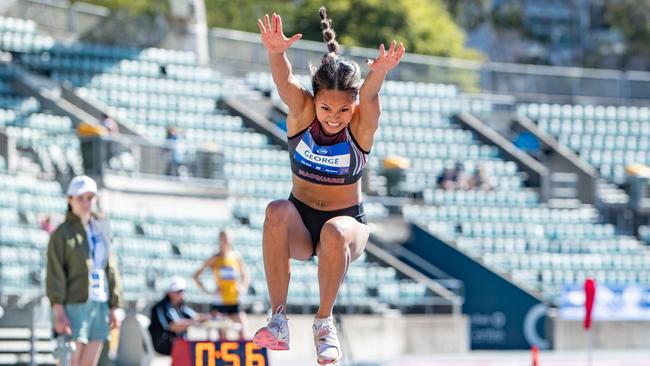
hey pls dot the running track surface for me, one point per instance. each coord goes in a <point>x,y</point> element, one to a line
<point>488,358</point>
<point>548,358</point>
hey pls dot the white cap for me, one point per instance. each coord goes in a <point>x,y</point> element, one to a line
<point>176,284</point>
<point>81,184</point>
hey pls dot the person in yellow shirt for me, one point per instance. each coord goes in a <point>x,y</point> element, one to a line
<point>231,280</point>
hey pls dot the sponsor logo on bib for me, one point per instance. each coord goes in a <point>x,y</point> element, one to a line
<point>333,159</point>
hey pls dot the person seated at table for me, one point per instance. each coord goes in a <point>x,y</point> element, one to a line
<point>170,317</point>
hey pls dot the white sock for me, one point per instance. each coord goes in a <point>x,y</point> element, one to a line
<point>319,321</point>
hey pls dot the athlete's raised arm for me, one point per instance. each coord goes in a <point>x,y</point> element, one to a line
<point>276,44</point>
<point>369,101</point>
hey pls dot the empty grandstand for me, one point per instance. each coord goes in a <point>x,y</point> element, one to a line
<point>166,221</point>
<point>129,82</point>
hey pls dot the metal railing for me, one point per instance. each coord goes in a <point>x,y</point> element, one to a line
<point>448,291</point>
<point>241,52</point>
<point>58,18</point>
<point>128,155</point>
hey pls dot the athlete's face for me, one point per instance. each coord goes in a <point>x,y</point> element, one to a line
<point>334,109</point>
<point>224,241</point>
<point>82,205</point>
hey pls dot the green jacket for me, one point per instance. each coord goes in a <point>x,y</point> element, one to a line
<point>68,264</point>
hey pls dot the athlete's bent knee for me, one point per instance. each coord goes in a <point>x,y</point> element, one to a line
<point>332,238</point>
<point>278,212</point>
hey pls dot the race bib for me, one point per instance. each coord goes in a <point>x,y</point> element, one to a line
<point>333,159</point>
<point>227,273</point>
<point>97,290</point>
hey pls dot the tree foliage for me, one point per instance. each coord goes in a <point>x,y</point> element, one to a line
<point>424,26</point>
<point>469,13</point>
<point>135,7</point>
<point>632,18</point>
<point>243,14</point>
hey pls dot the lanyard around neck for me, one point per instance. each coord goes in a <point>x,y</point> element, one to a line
<point>93,240</point>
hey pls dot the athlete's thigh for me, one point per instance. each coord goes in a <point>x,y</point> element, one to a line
<point>355,234</point>
<point>300,246</point>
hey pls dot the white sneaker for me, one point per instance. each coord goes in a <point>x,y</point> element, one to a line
<point>275,336</point>
<point>327,344</point>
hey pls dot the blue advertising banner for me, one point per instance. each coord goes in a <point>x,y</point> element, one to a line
<point>502,314</point>
<point>613,302</point>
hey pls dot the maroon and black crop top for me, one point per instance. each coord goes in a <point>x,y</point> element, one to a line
<point>323,159</point>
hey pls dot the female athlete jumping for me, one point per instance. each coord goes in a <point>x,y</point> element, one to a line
<point>330,134</point>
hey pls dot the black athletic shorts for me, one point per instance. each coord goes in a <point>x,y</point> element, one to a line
<point>225,309</point>
<point>315,219</point>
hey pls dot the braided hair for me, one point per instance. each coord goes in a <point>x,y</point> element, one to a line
<point>335,72</point>
<point>329,36</point>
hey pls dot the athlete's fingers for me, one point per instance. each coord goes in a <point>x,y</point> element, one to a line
<point>267,23</point>
<point>279,30</point>
<point>401,50</point>
<point>293,39</point>
<point>260,25</point>
<point>382,50</point>
<point>391,49</point>
<point>275,23</point>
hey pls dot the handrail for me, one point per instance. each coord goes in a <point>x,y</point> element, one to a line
<point>454,300</point>
<point>441,276</point>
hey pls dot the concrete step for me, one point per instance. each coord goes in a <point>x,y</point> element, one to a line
<point>24,359</point>
<point>15,346</point>
<point>24,333</point>
<point>23,346</point>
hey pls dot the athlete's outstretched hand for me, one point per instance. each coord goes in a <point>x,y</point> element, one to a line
<point>272,35</point>
<point>387,61</point>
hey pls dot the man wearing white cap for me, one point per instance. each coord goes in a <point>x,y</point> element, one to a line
<point>170,317</point>
<point>82,281</point>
